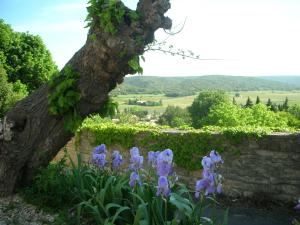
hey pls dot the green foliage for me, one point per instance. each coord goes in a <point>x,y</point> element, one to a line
<point>64,96</point>
<point>202,104</point>
<point>295,111</point>
<point>136,111</point>
<point>188,145</point>
<point>257,100</point>
<point>249,103</point>
<point>108,14</point>
<point>175,116</point>
<point>52,188</point>
<point>134,63</point>
<point>10,92</point>
<point>25,58</point>
<point>259,115</point>
<point>5,90</point>
<point>109,109</point>
<point>105,197</point>
<point>144,103</point>
<point>128,118</point>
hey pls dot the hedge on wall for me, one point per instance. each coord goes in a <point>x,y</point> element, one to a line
<point>188,145</point>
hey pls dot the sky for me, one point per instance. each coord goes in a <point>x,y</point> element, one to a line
<point>246,37</point>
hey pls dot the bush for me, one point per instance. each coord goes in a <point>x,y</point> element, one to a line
<point>259,115</point>
<point>295,111</point>
<point>53,188</point>
<point>202,104</point>
<point>175,116</point>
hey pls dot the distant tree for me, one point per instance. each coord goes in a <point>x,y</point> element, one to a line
<point>224,115</point>
<point>257,100</point>
<point>285,105</point>
<point>237,94</point>
<point>269,103</point>
<point>234,101</point>
<point>140,113</point>
<point>249,103</point>
<point>25,58</point>
<point>229,115</point>
<point>295,110</point>
<point>175,116</point>
<point>275,107</point>
<point>202,104</point>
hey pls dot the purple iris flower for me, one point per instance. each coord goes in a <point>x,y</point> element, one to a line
<point>211,181</point>
<point>207,162</point>
<point>215,157</point>
<point>164,163</point>
<point>136,160</point>
<point>117,160</point>
<point>134,151</point>
<point>298,205</point>
<point>100,149</point>
<point>163,187</point>
<point>166,155</point>
<point>200,185</point>
<point>152,158</point>
<point>134,179</point>
<point>164,168</point>
<point>99,160</point>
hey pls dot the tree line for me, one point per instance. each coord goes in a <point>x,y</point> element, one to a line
<point>213,108</point>
<point>275,107</point>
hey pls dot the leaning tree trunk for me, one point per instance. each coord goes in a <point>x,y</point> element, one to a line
<point>30,136</point>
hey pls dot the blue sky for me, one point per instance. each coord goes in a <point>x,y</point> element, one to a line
<point>253,37</point>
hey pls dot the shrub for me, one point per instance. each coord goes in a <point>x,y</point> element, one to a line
<point>259,115</point>
<point>175,116</point>
<point>202,104</point>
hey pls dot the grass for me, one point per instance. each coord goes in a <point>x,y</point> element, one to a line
<point>275,96</point>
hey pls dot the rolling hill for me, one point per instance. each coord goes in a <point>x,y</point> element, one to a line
<point>183,86</point>
<point>293,80</point>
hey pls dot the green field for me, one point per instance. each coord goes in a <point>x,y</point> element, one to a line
<point>275,96</point>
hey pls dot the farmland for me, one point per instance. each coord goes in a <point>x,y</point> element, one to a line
<point>275,96</point>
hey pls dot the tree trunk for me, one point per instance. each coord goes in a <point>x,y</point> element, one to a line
<point>30,137</point>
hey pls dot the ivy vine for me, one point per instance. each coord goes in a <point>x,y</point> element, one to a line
<point>188,146</point>
<point>64,96</point>
<point>134,64</point>
<point>108,14</point>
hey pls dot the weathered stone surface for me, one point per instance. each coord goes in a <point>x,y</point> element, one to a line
<point>268,166</point>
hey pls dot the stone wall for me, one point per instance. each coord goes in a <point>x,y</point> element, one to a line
<point>268,166</point>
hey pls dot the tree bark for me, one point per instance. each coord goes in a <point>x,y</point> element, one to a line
<point>30,137</point>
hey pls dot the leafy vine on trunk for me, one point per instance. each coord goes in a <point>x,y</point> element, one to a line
<point>64,96</point>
